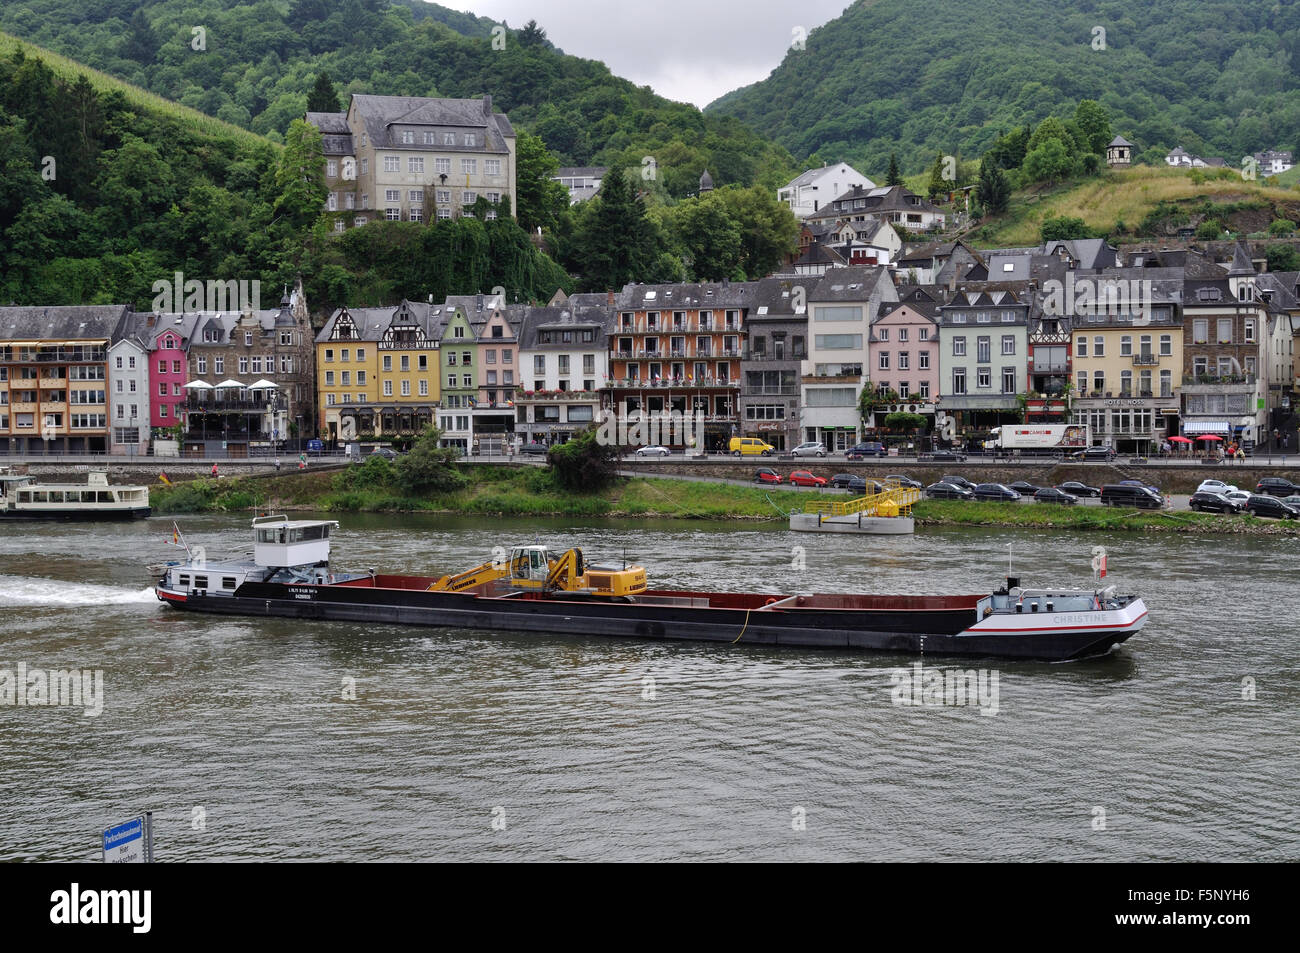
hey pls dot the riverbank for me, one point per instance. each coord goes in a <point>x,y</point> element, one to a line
<point>529,491</point>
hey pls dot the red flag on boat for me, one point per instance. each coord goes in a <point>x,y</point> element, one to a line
<point>1102,569</point>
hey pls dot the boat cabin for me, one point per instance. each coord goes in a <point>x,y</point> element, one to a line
<point>281,542</point>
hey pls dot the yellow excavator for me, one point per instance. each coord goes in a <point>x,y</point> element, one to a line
<point>535,568</point>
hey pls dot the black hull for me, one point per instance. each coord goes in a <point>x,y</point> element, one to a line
<point>925,631</point>
<point>78,516</point>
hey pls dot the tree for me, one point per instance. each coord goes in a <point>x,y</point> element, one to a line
<point>768,229</point>
<point>532,35</point>
<point>429,469</point>
<point>993,191</point>
<point>300,176</point>
<point>894,176</point>
<point>938,184</point>
<point>1094,122</point>
<point>905,421</point>
<point>323,98</point>
<point>1050,162</point>
<point>1064,229</point>
<point>542,199</point>
<point>708,236</point>
<point>1282,258</point>
<point>584,464</point>
<point>619,244</point>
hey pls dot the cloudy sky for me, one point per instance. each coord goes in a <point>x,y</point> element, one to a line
<point>688,50</point>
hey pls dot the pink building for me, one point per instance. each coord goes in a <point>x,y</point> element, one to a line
<point>167,373</point>
<point>903,354</point>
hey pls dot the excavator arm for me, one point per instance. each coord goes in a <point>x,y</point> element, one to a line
<point>565,572</point>
<point>488,572</point>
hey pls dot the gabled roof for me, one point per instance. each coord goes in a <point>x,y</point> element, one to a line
<point>379,114</point>
<point>66,322</point>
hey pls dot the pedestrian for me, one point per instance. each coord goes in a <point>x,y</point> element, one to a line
<point>214,469</point>
<point>302,461</point>
<point>277,464</point>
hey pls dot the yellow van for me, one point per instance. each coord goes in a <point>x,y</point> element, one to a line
<point>750,447</point>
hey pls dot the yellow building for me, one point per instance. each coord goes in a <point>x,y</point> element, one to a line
<point>377,371</point>
<point>1126,375</point>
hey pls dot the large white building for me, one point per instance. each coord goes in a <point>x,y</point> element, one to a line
<point>128,391</point>
<point>816,188</point>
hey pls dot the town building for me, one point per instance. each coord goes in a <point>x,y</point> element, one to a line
<point>893,204</point>
<point>583,182</point>
<point>984,351</point>
<point>53,378</point>
<point>840,307</point>
<point>1272,162</point>
<point>378,368</point>
<point>415,159</point>
<point>128,388</point>
<point>903,355</point>
<point>564,364</point>
<point>168,339</point>
<point>777,343</point>
<point>1119,154</point>
<point>808,192</point>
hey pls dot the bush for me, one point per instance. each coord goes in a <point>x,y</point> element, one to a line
<point>1281,227</point>
<point>1282,258</point>
<point>1209,229</point>
<point>1064,229</point>
<point>584,464</point>
<point>429,469</point>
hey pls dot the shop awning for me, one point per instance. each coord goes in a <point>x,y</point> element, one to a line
<point>1206,426</point>
<point>198,385</point>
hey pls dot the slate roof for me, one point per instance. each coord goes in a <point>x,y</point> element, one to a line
<point>371,323</point>
<point>62,323</point>
<point>379,114</point>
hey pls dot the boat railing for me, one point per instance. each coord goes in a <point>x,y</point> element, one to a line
<point>901,496</point>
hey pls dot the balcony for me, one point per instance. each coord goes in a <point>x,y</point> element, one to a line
<point>832,378</point>
<point>681,382</point>
<point>524,396</point>
<point>1217,380</point>
<point>1050,367</point>
<point>229,406</point>
<point>53,382</point>
<point>1146,360</point>
<point>769,392</point>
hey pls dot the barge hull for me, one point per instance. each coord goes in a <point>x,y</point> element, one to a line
<point>941,630</point>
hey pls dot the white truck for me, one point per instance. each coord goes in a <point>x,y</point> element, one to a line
<point>1038,439</point>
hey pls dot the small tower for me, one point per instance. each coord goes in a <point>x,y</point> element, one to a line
<point>706,182</point>
<point>1241,274</point>
<point>1119,154</point>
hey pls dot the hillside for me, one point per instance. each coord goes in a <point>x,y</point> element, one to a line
<point>1151,203</point>
<point>1217,77</point>
<point>258,63</point>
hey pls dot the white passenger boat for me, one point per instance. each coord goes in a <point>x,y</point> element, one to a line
<point>27,498</point>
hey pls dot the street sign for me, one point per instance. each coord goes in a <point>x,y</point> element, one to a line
<point>131,842</point>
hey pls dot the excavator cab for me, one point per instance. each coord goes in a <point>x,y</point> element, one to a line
<point>529,564</point>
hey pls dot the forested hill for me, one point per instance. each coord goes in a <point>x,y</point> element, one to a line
<point>259,61</point>
<point>917,77</point>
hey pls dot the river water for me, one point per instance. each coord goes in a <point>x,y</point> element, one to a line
<point>462,745</point>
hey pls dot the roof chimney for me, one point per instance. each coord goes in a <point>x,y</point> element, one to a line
<point>610,298</point>
<point>487,105</point>
<point>478,302</point>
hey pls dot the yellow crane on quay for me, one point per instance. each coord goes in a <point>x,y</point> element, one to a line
<point>886,513</point>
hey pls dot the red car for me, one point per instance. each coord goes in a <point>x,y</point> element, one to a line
<point>804,478</point>
<point>767,475</point>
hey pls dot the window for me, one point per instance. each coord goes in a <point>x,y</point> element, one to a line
<point>491,166</point>
<point>347,379</point>
<point>408,137</point>
<point>1082,385</point>
<point>984,348</point>
<point>924,391</point>
<point>539,364</point>
<point>406,388</point>
<point>959,380</point>
<point>1166,345</point>
<point>1125,346</point>
<point>332,168</point>
<point>1126,383</point>
<point>415,163</point>
<point>1201,331</point>
<point>406,362</point>
<point>1081,347</point>
<point>424,388</point>
<point>468,197</point>
<point>1099,347</point>
<point>201,364</point>
<point>1008,380</point>
<point>329,378</point>
<point>902,335</point>
<point>923,360</point>
<point>1008,344</point>
<point>490,356</point>
<point>884,334</point>
<point>448,138</point>
<point>924,335</point>
<point>1249,331</point>
<point>393,163</point>
<point>442,166</point>
<point>883,360</point>
<point>469,166</point>
<point>471,139</point>
<point>984,378</point>
<point>959,348</point>
<point>904,362</point>
<point>365,166</point>
<point>1166,384</point>
<point>392,195</point>
<point>1225,331</point>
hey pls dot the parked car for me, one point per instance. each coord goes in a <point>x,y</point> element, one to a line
<point>1094,453</point>
<point>947,491</point>
<point>948,456</point>
<point>767,475</point>
<point>1150,486</point>
<point>1260,505</point>
<point>906,481</point>
<point>996,492</point>
<point>1238,496</point>
<point>315,447</point>
<point>1126,494</point>
<point>386,452</point>
<point>844,479</point>
<point>871,448</point>
<point>750,447</point>
<point>1276,486</point>
<point>1050,494</point>
<point>1025,488</point>
<point>809,450</point>
<point>1075,488</point>
<point>653,451</point>
<point>538,448</point>
<point>1292,500</point>
<point>1214,486</point>
<point>959,481</point>
<point>804,478</point>
<point>1209,502</point>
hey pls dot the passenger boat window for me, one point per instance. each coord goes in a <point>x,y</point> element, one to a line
<point>227,582</point>
<point>105,496</point>
<point>200,582</point>
<point>183,581</point>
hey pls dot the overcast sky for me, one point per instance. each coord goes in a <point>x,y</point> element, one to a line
<point>688,50</point>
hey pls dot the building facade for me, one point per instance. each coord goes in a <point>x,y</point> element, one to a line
<point>128,395</point>
<point>776,345</point>
<point>564,364</point>
<point>984,354</point>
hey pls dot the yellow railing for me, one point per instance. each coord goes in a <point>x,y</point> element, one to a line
<point>870,505</point>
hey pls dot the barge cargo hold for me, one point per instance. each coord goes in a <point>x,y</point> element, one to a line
<point>536,591</point>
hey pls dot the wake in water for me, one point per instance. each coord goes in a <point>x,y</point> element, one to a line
<point>58,593</point>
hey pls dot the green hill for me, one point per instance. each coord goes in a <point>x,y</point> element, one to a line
<point>253,65</point>
<point>1218,77</point>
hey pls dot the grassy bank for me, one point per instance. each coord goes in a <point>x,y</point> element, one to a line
<point>529,491</point>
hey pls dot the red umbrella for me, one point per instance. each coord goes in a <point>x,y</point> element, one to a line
<point>1209,436</point>
<point>1179,440</point>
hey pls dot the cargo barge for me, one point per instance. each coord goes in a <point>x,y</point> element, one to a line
<point>534,590</point>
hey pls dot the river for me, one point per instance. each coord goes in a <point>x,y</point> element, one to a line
<point>242,738</point>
